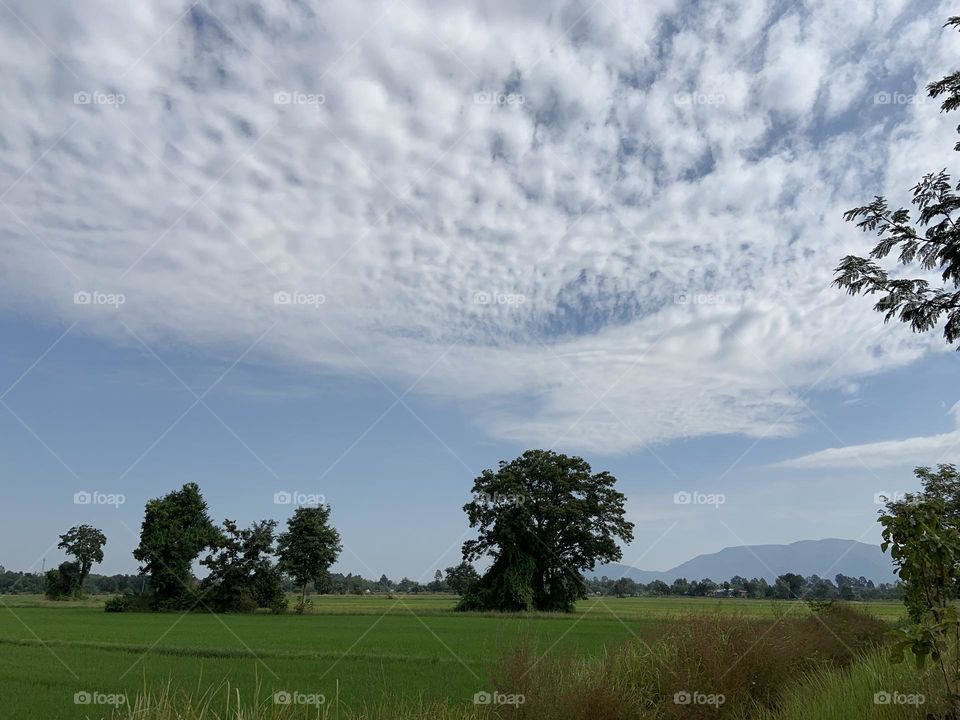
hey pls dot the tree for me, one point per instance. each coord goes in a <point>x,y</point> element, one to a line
<point>461,577</point>
<point>242,576</point>
<point>543,518</point>
<point>926,552</point>
<point>788,586</point>
<point>176,529</point>
<point>85,543</point>
<point>933,243</point>
<point>62,581</point>
<point>308,548</point>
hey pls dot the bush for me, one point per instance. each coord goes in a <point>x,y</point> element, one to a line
<point>128,602</point>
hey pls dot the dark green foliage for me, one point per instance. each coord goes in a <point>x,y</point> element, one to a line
<point>176,529</point>
<point>459,578</point>
<point>85,543</point>
<point>507,586</point>
<point>932,242</point>
<point>63,581</point>
<point>544,518</point>
<point>308,548</point>
<point>128,602</point>
<point>242,576</point>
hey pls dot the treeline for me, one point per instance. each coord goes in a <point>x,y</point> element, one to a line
<point>786,587</point>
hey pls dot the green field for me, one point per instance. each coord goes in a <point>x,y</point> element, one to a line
<point>362,650</point>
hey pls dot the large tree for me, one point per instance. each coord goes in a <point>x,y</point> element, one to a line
<point>543,518</point>
<point>85,543</point>
<point>176,529</point>
<point>308,548</point>
<point>931,242</point>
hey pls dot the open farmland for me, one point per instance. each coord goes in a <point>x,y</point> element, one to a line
<point>363,650</point>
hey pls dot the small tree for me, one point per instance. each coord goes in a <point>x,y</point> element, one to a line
<point>85,543</point>
<point>308,548</point>
<point>926,552</point>
<point>62,581</point>
<point>242,576</point>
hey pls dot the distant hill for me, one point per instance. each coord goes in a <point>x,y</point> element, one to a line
<point>825,558</point>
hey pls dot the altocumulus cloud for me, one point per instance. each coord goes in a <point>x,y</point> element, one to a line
<point>603,224</point>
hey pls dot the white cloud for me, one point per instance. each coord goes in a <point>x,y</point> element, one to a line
<point>637,167</point>
<point>929,450</point>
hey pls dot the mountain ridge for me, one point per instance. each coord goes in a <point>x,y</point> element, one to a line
<point>826,557</point>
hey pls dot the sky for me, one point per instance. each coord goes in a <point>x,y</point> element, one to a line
<point>358,252</point>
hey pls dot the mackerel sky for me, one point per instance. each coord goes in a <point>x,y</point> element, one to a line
<point>363,250</point>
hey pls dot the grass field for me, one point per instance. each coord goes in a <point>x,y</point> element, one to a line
<point>362,650</point>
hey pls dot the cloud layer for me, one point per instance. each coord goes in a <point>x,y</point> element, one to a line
<point>601,225</point>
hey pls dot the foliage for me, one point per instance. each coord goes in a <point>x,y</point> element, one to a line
<point>85,543</point>
<point>460,577</point>
<point>176,529</point>
<point>544,518</point>
<point>926,552</point>
<point>308,548</point>
<point>127,602</point>
<point>932,242</point>
<point>242,576</point>
<point>63,581</point>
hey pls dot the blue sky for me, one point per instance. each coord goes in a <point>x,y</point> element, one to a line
<point>401,242</point>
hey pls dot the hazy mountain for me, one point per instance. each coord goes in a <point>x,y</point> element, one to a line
<point>825,558</point>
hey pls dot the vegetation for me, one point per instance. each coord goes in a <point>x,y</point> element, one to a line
<point>176,529</point>
<point>308,548</point>
<point>85,543</point>
<point>933,242</point>
<point>543,518</point>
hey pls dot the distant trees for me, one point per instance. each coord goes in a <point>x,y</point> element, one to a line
<point>543,518</point>
<point>176,529</point>
<point>932,243</point>
<point>308,548</point>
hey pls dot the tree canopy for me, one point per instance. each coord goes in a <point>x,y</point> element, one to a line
<point>176,529</point>
<point>543,518</point>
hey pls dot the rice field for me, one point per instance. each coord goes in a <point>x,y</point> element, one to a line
<point>352,652</point>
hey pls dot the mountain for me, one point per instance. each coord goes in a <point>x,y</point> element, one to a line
<point>825,558</point>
